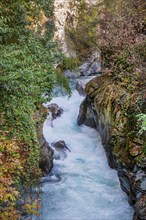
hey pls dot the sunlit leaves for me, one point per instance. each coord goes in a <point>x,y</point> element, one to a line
<point>27,71</point>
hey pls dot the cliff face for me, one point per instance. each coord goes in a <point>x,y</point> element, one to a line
<point>66,13</point>
<point>61,11</point>
<point>111,108</point>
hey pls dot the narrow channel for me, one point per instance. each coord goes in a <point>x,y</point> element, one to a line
<point>83,187</point>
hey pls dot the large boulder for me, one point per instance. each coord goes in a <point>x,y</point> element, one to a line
<point>55,110</point>
<point>46,158</point>
<point>60,145</point>
<point>60,150</point>
<point>81,84</point>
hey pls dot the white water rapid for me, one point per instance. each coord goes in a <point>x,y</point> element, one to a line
<point>87,188</point>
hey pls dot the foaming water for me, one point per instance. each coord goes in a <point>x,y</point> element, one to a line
<point>83,187</point>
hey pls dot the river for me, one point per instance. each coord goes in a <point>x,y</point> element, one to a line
<point>88,189</point>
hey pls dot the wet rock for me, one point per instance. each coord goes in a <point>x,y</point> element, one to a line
<point>55,110</point>
<point>80,87</point>
<point>81,84</point>
<point>86,115</point>
<point>71,74</point>
<point>46,158</point>
<point>60,150</point>
<point>51,179</point>
<point>139,182</point>
<point>60,145</point>
<point>124,180</point>
<point>84,68</point>
<point>92,66</point>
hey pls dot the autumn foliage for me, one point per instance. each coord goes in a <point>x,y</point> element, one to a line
<point>12,163</point>
<point>27,71</point>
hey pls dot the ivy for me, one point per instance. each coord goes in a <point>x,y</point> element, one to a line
<point>27,77</point>
<point>142,122</point>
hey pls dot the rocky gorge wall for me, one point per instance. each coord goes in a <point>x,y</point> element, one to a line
<point>106,108</point>
<point>65,11</point>
<point>46,152</point>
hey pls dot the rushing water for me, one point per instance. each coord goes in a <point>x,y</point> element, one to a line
<point>82,185</point>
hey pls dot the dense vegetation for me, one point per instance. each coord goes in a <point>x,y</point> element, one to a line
<point>82,28</point>
<point>122,40</point>
<point>28,55</point>
<point>117,29</point>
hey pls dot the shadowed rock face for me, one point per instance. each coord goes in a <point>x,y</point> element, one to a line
<point>80,88</point>
<point>86,115</point>
<point>64,10</point>
<point>46,158</point>
<point>46,153</point>
<point>104,104</point>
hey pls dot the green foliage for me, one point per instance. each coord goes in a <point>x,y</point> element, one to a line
<point>122,88</point>
<point>70,63</point>
<point>142,122</point>
<point>63,81</point>
<point>27,77</point>
<point>122,43</point>
<point>83,35</point>
<point>121,35</point>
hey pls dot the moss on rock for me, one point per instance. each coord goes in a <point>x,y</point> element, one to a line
<point>120,106</point>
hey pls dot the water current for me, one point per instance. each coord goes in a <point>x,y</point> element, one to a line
<point>81,185</point>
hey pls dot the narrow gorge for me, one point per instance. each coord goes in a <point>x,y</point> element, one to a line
<point>73,110</point>
<point>81,185</point>
<point>109,108</point>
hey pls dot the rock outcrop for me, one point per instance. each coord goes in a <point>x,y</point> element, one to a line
<point>60,150</point>
<point>80,88</point>
<point>65,10</point>
<point>60,145</point>
<point>92,66</point>
<point>81,84</point>
<point>46,158</point>
<point>86,115</point>
<point>46,152</point>
<point>55,110</point>
<point>62,11</point>
<point>111,106</point>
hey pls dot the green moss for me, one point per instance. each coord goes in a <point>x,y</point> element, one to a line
<point>120,107</point>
